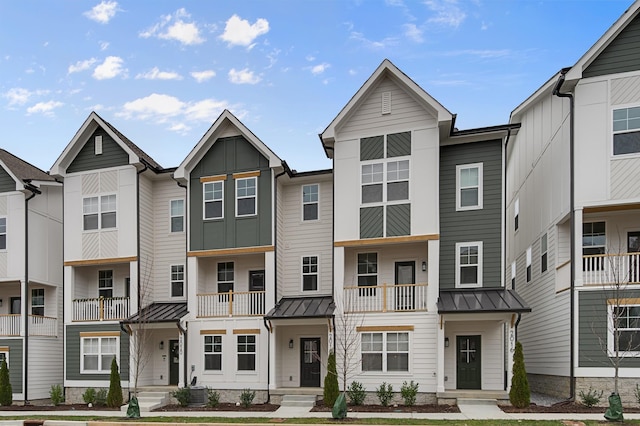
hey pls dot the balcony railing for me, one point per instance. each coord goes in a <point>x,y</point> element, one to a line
<point>609,269</point>
<point>231,304</point>
<point>101,309</point>
<point>386,298</point>
<point>11,325</point>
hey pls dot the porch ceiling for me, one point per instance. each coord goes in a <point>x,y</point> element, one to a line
<point>481,301</point>
<point>302,307</point>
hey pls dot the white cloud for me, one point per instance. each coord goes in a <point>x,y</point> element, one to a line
<point>156,74</point>
<point>243,76</point>
<point>353,72</point>
<point>110,68</point>
<point>159,107</point>
<point>447,12</point>
<point>310,58</point>
<point>104,45</point>
<point>20,96</point>
<point>81,65</point>
<point>180,128</point>
<point>372,44</point>
<point>320,68</point>
<point>241,33</point>
<point>103,12</point>
<point>201,76</point>
<point>206,110</point>
<point>174,27</point>
<point>45,108</point>
<point>412,32</point>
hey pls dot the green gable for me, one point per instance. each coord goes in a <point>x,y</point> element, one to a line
<point>7,184</point>
<point>621,55</point>
<point>112,154</point>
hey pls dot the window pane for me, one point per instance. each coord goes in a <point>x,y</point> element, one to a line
<point>372,193</point>
<point>469,275</point>
<point>626,143</point>
<point>213,210</point>
<point>90,222</point>
<point>91,362</point>
<point>310,283</point>
<point>371,362</point>
<point>309,193</point>
<point>177,207</point>
<point>109,220</point>
<point>246,362</point>
<point>3,225</point>
<point>397,191</point>
<point>177,224</point>
<point>246,206</point>
<point>468,197</point>
<point>398,362</point>
<point>108,203</point>
<point>177,289</point>
<point>90,205</point>
<point>469,177</point>
<point>310,211</point>
<point>213,362</point>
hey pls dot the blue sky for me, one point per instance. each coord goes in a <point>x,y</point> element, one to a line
<point>162,71</point>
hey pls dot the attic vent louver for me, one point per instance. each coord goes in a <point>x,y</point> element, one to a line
<point>386,103</point>
<point>98,144</point>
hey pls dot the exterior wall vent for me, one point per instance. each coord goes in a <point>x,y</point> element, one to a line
<point>98,144</point>
<point>386,103</point>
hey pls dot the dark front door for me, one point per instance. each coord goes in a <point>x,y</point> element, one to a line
<point>469,365</point>
<point>405,294</point>
<point>174,362</point>
<point>15,305</point>
<point>633,248</point>
<point>310,362</point>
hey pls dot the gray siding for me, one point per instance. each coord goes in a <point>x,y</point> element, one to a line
<point>15,363</point>
<point>371,222</point>
<point>7,184</point>
<point>112,155</point>
<point>398,144</point>
<point>72,354</point>
<point>227,156</point>
<point>473,225</point>
<point>622,55</point>
<point>371,148</point>
<point>592,326</point>
<point>398,220</point>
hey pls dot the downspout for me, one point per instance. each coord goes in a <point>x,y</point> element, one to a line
<point>185,367</point>
<point>25,295</point>
<point>556,92</point>
<point>268,358</point>
<point>64,328</point>
<point>333,237</point>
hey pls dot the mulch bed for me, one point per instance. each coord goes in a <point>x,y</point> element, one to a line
<point>220,407</point>
<point>61,407</point>
<point>424,408</point>
<point>563,407</point>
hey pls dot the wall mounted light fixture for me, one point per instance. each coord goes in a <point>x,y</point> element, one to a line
<point>424,266</point>
<point>161,344</point>
<point>446,342</point>
<point>290,343</point>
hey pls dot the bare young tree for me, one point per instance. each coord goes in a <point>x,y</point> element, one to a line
<point>347,342</point>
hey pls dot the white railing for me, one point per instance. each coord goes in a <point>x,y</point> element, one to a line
<point>10,325</point>
<point>43,326</point>
<point>386,298</point>
<point>101,309</point>
<point>231,304</point>
<point>611,268</point>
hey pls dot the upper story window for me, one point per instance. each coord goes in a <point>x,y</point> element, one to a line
<point>177,280</point>
<point>213,196</point>
<point>516,214</point>
<point>225,277</point>
<point>543,253</point>
<point>310,201</point>
<point>469,264</point>
<point>626,131</point>
<point>105,284</point>
<point>513,274</point>
<point>529,264</point>
<point>37,301</point>
<point>99,212</point>
<point>310,273</point>
<point>594,241</point>
<point>469,186</point>
<point>385,169</point>
<point>246,196</point>
<point>3,233</point>
<point>177,215</point>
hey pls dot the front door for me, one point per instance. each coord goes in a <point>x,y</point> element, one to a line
<point>15,305</point>
<point>310,362</point>
<point>469,367</point>
<point>405,294</point>
<point>174,362</point>
<point>633,248</point>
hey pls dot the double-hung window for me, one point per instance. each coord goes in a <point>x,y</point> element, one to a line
<point>246,196</point>
<point>213,195</point>
<point>543,253</point>
<point>177,280</point>
<point>37,301</point>
<point>310,199</point>
<point>469,192</point>
<point>3,233</point>
<point>469,264</point>
<point>225,277</point>
<point>516,214</point>
<point>385,351</point>
<point>372,182</point>
<point>513,274</point>
<point>213,353</point>
<point>99,212</point>
<point>246,352</point>
<point>97,353</point>
<point>398,180</point>
<point>367,269</point>
<point>529,264</point>
<point>105,284</point>
<point>310,273</point>
<point>623,320</point>
<point>177,215</point>
<point>626,131</point>
<point>594,241</point>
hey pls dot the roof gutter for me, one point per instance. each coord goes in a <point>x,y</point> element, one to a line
<point>556,92</point>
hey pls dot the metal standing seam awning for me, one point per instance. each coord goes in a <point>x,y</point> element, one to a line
<point>302,307</point>
<point>159,312</point>
<point>481,301</point>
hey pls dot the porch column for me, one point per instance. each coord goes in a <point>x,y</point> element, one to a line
<point>269,280</point>
<point>23,305</point>
<point>577,266</point>
<point>338,280</point>
<point>511,347</point>
<point>68,293</point>
<point>192,286</point>
<point>440,355</point>
<point>433,275</point>
<point>273,374</point>
<point>135,286</point>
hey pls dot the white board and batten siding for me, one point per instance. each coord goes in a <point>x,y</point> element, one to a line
<point>298,238</point>
<point>45,359</point>
<point>12,260</point>
<point>45,236</point>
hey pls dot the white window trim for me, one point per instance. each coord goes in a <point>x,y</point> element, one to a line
<point>385,180</point>
<point>385,353</point>
<point>218,282</point>
<point>171,281</point>
<point>255,197</point>
<point>459,168</point>
<point>317,274</point>
<point>112,282</point>
<point>613,132</point>
<point>256,364</point>
<point>204,353</point>
<point>480,262</point>
<point>100,212</point>
<point>529,269</point>
<point>43,300</point>
<point>171,216</point>
<point>313,202</point>
<point>6,229</point>
<point>98,145</point>
<point>516,214</point>
<point>204,202</point>
<point>545,238</point>
<point>377,274</point>
<point>513,272</point>
<point>108,367</point>
<point>610,329</point>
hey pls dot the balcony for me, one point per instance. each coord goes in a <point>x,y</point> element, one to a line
<point>386,298</point>
<point>607,269</point>
<point>101,309</point>
<point>231,304</point>
<point>11,325</point>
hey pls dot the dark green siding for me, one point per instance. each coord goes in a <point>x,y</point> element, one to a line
<point>371,222</point>
<point>227,156</point>
<point>592,326</point>
<point>622,55</point>
<point>112,155</point>
<point>371,148</point>
<point>472,225</point>
<point>398,144</point>
<point>7,184</point>
<point>72,354</point>
<point>15,362</point>
<point>398,220</point>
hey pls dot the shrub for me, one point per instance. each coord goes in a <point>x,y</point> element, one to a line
<point>56,395</point>
<point>89,396</point>
<point>519,395</point>
<point>385,393</point>
<point>6,393</point>
<point>101,397</point>
<point>213,398</point>
<point>636,392</point>
<point>356,393</point>
<point>591,398</point>
<point>183,395</point>
<point>114,396</point>
<point>409,391</point>
<point>246,397</point>
<point>331,389</point>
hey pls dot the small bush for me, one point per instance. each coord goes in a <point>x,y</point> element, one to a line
<point>246,397</point>
<point>331,387</point>
<point>183,395</point>
<point>89,396</point>
<point>636,392</point>
<point>591,398</point>
<point>213,398</point>
<point>385,393</point>
<point>356,393</point>
<point>409,391</point>
<point>101,397</point>
<point>6,394</point>
<point>56,395</point>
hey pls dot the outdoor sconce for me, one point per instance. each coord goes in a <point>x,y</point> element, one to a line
<point>0,303</point>
<point>161,344</point>
<point>290,343</point>
<point>446,342</point>
<point>424,266</point>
